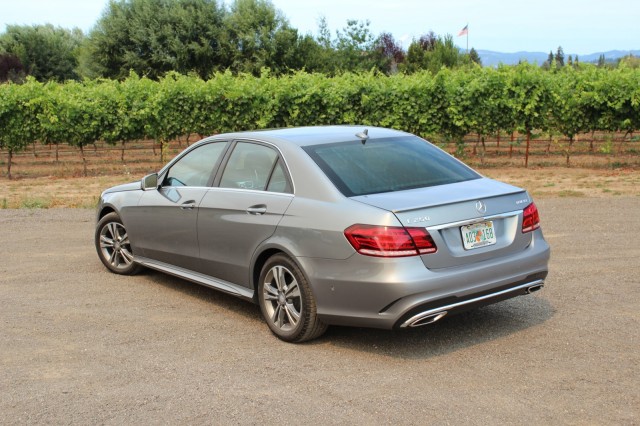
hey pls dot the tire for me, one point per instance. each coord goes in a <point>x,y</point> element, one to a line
<point>286,301</point>
<point>113,246</point>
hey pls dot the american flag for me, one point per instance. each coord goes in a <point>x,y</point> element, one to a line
<point>464,31</point>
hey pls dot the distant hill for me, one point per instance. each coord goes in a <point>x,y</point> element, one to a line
<point>490,58</point>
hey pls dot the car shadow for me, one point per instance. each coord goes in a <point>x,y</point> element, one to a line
<point>447,335</point>
<point>206,294</point>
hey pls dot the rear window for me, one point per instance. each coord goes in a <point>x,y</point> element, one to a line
<point>387,165</point>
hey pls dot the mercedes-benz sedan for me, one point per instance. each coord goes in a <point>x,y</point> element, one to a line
<point>328,225</point>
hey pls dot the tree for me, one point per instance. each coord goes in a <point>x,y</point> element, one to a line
<point>550,62</point>
<point>417,57</point>
<point>560,56</point>
<point>629,61</point>
<point>259,36</point>
<point>316,54</point>
<point>431,53</point>
<point>324,34</point>
<point>474,57</point>
<point>601,61</point>
<point>11,69</point>
<point>428,41</point>
<point>390,53</point>
<point>311,56</point>
<point>153,37</point>
<point>447,53</point>
<point>46,52</point>
<point>355,47</point>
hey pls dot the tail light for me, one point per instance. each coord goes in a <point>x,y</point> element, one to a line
<point>530,218</point>
<point>390,241</point>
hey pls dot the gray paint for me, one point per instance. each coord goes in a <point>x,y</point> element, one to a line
<point>216,242</point>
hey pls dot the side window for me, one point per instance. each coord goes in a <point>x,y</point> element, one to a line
<point>195,168</point>
<point>279,181</point>
<point>249,167</point>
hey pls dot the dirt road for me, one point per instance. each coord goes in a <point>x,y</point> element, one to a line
<point>79,345</point>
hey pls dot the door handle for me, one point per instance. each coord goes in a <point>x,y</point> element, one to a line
<point>188,205</point>
<point>257,210</point>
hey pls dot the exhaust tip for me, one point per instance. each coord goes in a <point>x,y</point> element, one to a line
<point>428,319</point>
<point>534,288</point>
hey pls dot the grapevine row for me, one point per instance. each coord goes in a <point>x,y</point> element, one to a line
<point>447,105</point>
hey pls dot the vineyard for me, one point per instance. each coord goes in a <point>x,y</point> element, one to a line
<point>519,115</point>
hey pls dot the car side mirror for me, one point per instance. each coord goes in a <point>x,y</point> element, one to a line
<point>149,182</point>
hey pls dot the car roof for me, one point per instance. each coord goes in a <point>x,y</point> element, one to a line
<point>314,135</point>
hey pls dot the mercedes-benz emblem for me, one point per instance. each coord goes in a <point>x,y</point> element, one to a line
<point>481,207</point>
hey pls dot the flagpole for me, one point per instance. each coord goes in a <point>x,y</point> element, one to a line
<point>467,38</point>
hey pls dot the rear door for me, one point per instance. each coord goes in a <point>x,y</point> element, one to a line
<point>253,194</point>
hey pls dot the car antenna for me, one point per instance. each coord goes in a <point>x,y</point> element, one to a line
<point>364,135</point>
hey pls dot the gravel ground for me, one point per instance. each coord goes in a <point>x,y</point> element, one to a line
<point>79,345</point>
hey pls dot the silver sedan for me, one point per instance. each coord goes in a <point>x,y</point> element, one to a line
<point>334,225</point>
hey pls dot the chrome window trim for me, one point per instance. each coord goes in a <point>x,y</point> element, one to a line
<point>164,170</point>
<point>280,156</point>
<point>246,190</point>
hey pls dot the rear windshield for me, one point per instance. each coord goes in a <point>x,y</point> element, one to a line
<point>387,165</point>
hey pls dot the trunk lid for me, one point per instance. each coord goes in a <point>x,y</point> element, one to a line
<point>446,211</point>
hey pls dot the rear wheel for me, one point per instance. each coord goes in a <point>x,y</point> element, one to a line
<point>286,301</point>
<point>113,246</point>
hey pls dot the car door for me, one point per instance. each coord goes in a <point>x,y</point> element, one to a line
<point>253,193</point>
<point>166,218</point>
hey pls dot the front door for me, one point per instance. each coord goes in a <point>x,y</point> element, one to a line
<point>166,218</point>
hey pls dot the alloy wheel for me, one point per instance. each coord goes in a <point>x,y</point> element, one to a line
<point>115,247</point>
<point>282,298</point>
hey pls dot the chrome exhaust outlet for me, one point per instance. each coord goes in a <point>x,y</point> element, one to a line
<point>534,288</point>
<point>432,315</point>
<point>427,319</point>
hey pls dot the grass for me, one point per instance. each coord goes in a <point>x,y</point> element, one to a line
<point>571,193</point>
<point>45,193</point>
<point>35,203</point>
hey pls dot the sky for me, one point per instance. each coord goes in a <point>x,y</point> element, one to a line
<point>579,26</point>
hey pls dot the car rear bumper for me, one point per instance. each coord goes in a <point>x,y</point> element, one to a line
<point>390,293</point>
<point>433,311</point>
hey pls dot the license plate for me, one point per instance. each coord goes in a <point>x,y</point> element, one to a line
<point>478,235</point>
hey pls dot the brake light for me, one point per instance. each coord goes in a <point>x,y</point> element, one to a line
<point>530,218</point>
<point>390,241</point>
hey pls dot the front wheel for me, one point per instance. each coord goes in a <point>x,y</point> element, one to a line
<point>113,245</point>
<point>286,301</point>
